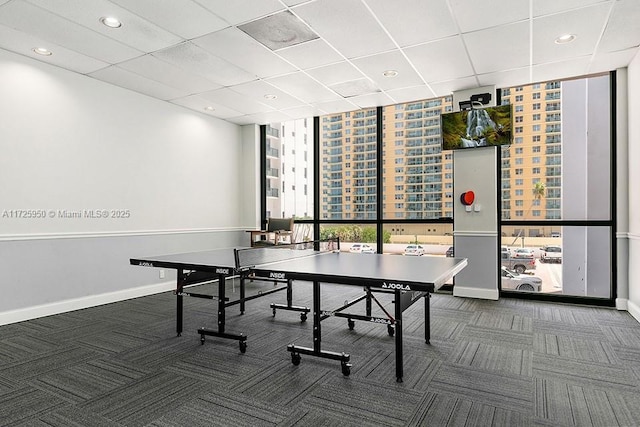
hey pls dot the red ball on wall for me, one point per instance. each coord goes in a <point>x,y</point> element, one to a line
<point>467,198</point>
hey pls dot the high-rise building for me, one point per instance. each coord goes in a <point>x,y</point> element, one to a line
<point>532,166</point>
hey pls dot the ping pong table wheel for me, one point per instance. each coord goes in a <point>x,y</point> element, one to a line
<point>346,368</point>
<point>243,346</point>
<point>303,317</point>
<point>295,359</point>
<point>391,330</point>
<point>351,324</point>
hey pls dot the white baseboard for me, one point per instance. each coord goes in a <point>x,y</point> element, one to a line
<point>634,310</point>
<point>622,304</point>
<point>470,292</point>
<point>29,313</point>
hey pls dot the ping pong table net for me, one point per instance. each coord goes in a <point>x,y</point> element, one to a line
<point>249,257</point>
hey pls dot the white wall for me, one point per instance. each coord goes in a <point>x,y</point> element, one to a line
<point>634,186</point>
<point>475,231</point>
<point>71,144</point>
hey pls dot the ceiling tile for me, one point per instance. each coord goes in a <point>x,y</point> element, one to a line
<point>513,50</point>
<point>347,25</point>
<point>560,70</point>
<point>408,94</point>
<point>235,101</point>
<point>440,60</point>
<point>546,7</point>
<point>304,111</point>
<point>268,117</point>
<point>371,100</point>
<point>448,87</point>
<point>335,73</point>
<point>257,90</point>
<point>417,21</point>
<point>337,106</point>
<point>135,31</point>
<point>49,27</point>
<point>374,66</point>
<point>239,11</point>
<point>295,2</point>
<point>279,31</point>
<point>238,48</point>
<point>303,87</point>
<point>185,18</point>
<point>22,43</point>
<point>311,54</point>
<point>169,74</point>
<point>623,30</point>
<point>474,15</point>
<point>581,22</point>
<point>200,58</point>
<point>611,60</point>
<point>197,60</point>
<point>508,78</point>
<point>135,82</point>
<point>355,87</point>
<point>197,103</point>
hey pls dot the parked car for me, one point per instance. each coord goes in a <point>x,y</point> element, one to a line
<point>520,282</point>
<point>551,254</point>
<point>523,253</point>
<point>520,264</point>
<point>361,248</point>
<point>449,252</point>
<point>414,250</point>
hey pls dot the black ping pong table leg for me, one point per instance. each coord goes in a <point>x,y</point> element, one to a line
<point>289,306</point>
<point>242,294</point>
<point>222,301</point>
<point>179,288</point>
<point>427,317</point>
<point>316,351</point>
<point>398,326</point>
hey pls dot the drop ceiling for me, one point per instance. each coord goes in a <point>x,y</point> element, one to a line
<point>261,61</point>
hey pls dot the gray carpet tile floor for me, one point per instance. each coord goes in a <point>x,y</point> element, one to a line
<point>502,363</point>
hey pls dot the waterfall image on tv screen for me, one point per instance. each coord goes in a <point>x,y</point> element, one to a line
<point>482,127</point>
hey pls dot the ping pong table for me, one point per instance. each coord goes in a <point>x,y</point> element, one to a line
<point>406,278</point>
<point>217,265</point>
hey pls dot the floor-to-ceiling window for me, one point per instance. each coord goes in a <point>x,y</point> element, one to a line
<point>556,185</point>
<point>383,184</point>
<point>289,174</point>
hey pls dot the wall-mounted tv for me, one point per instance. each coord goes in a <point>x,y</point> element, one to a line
<point>480,127</point>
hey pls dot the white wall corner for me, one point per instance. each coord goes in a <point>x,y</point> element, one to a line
<point>472,292</point>
<point>622,304</point>
<point>633,309</point>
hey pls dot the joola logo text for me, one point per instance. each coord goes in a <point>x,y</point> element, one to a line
<point>395,286</point>
<point>146,264</point>
<point>276,275</point>
<point>222,271</point>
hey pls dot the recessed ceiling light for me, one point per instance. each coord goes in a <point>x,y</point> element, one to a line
<point>42,51</point>
<point>565,38</point>
<point>390,73</point>
<point>209,108</point>
<point>111,22</point>
<point>270,96</point>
